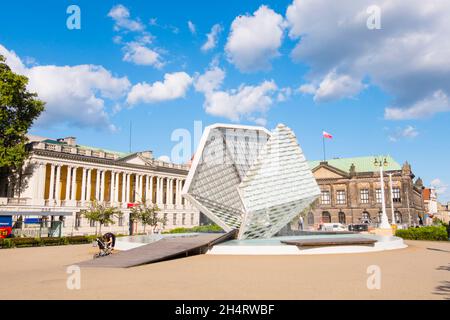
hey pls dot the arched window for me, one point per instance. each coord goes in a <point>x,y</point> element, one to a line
<point>398,217</point>
<point>310,218</point>
<point>342,217</point>
<point>326,217</point>
<point>365,217</point>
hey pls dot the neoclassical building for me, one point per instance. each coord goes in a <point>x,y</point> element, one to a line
<point>61,178</point>
<point>351,192</point>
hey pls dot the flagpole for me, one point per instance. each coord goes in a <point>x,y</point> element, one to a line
<point>323,142</point>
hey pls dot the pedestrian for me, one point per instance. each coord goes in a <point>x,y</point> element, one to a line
<point>300,223</point>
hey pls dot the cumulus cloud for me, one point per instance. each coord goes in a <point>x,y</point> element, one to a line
<point>74,95</point>
<point>121,16</point>
<point>408,132</point>
<point>192,27</point>
<point>212,37</point>
<point>174,86</point>
<point>254,39</point>
<point>407,58</point>
<point>249,102</point>
<point>439,186</point>
<point>141,55</point>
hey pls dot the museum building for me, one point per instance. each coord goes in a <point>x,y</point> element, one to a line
<point>62,178</point>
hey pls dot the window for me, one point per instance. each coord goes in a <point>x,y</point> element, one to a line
<point>174,219</point>
<point>378,195</point>
<point>326,217</point>
<point>183,219</point>
<point>380,215</point>
<point>78,220</point>
<point>342,217</point>
<point>364,195</point>
<point>92,223</point>
<point>120,222</point>
<point>396,197</point>
<point>192,219</point>
<point>398,217</point>
<point>310,219</point>
<point>340,197</point>
<point>325,197</point>
<point>365,217</point>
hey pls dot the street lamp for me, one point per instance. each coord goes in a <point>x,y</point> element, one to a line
<point>384,219</point>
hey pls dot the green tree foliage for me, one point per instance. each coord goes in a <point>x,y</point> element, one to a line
<point>102,214</point>
<point>148,215</point>
<point>19,108</point>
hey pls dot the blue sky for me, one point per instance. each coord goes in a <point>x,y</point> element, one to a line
<point>313,65</point>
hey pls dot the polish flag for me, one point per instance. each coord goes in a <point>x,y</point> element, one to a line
<point>327,135</point>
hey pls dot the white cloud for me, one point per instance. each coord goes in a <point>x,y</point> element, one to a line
<point>121,16</point>
<point>244,102</point>
<point>255,39</point>
<point>408,132</point>
<point>192,27</point>
<point>439,186</point>
<point>335,87</point>
<point>437,102</point>
<point>141,55</point>
<point>211,38</point>
<point>407,58</point>
<point>74,95</point>
<point>174,86</point>
<point>164,158</point>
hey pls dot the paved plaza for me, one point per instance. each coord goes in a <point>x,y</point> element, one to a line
<point>421,271</point>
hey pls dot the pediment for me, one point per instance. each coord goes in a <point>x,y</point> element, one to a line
<point>136,159</point>
<point>327,172</point>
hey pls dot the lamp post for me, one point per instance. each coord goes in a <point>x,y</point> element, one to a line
<point>392,200</point>
<point>384,219</point>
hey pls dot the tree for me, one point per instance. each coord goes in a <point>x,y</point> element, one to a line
<point>147,215</point>
<point>101,214</point>
<point>19,109</point>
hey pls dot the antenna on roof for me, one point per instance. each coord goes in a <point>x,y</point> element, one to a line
<point>131,126</point>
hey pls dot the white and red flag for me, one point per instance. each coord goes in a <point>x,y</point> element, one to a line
<point>327,135</point>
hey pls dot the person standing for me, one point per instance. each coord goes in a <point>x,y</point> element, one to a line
<point>300,223</point>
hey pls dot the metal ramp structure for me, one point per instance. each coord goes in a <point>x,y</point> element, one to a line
<point>165,249</point>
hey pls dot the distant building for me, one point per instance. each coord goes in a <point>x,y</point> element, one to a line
<point>443,213</point>
<point>431,205</point>
<point>61,178</point>
<point>351,192</point>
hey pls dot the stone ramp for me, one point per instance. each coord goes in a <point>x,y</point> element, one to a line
<point>161,250</point>
<point>328,242</point>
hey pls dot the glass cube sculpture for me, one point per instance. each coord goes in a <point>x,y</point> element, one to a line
<point>251,179</point>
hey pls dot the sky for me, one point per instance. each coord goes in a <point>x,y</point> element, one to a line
<point>375,74</point>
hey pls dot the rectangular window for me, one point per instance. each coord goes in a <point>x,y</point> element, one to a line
<point>183,221</point>
<point>364,195</point>
<point>378,195</point>
<point>325,197</point>
<point>396,195</point>
<point>341,197</point>
<point>92,223</point>
<point>120,221</point>
<point>77,220</point>
<point>174,219</point>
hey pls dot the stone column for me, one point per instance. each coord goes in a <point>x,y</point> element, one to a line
<point>52,182</point>
<point>103,186</point>
<point>68,177</point>
<point>127,189</point>
<point>73,196</point>
<point>83,185</point>
<point>158,183</point>
<point>97,185</point>
<point>116,186</point>
<point>150,190</point>
<point>112,187</point>
<point>167,190</point>
<point>41,181</point>
<point>124,187</point>
<point>58,183</point>
<point>89,185</point>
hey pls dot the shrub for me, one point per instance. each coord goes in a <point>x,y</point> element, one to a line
<point>434,233</point>
<point>213,228</point>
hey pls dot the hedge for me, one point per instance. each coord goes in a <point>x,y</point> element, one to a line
<point>208,228</point>
<point>434,233</point>
<point>37,242</point>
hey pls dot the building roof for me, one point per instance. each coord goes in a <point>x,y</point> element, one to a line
<point>362,164</point>
<point>120,154</point>
<point>426,194</point>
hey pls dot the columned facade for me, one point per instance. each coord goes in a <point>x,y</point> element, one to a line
<point>66,179</point>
